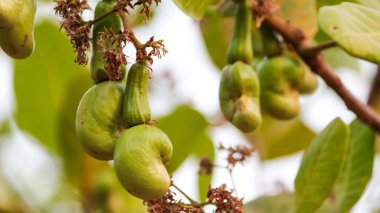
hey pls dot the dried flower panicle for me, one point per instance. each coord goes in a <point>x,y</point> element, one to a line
<point>224,201</point>
<point>78,30</point>
<point>113,57</point>
<point>206,166</point>
<point>168,204</point>
<point>146,7</point>
<point>158,49</point>
<point>237,154</point>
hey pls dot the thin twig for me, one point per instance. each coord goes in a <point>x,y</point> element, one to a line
<point>90,23</point>
<point>193,202</point>
<point>318,65</point>
<point>233,181</point>
<point>138,45</point>
<point>318,48</point>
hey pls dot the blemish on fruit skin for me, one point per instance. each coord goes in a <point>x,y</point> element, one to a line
<point>334,28</point>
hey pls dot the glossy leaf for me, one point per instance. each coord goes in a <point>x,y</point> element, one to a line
<point>291,136</point>
<point>41,83</point>
<point>194,8</point>
<point>354,27</point>
<point>357,169</point>
<point>320,166</point>
<point>184,127</point>
<point>302,14</point>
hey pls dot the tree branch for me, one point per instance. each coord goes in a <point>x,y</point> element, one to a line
<point>318,48</point>
<point>317,63</point>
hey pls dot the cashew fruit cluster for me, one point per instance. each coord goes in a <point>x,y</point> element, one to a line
<point>239,90</point>
<point>112,123</point>
<point>17,27</point>
<point>112,22</point>
<point>282,79</point>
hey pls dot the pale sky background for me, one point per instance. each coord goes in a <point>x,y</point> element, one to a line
<point>197,82</point>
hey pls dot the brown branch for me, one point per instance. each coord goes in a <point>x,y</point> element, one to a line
<point>318,48</point>
<point>127,27</point>
<point>317,64</point>
<point>374,95</point>
<point>90,23</point>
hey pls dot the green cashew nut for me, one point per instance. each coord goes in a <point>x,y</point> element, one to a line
<point>97,119</point>
<point>281,78</point>
<point>239,96</point>
<point>141,154</point>
<point>98,72</point>
<point>136,108</point>
<point>240,48</point>
<point>10,12</point>
<point>18,39</point>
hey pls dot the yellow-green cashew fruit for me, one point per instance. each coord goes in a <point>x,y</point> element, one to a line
<point>98,72</point>
<point>136,108</point>
<point>141,154</point>
<point>239,93</point>
<point>98,119</point>
<point>240,48</point>
<point>17,40</point>
<point>9,12</point>
<point>309,83</point>
<point>281,78</point>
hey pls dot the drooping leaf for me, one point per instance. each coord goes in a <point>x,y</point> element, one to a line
<point>354,27</point>
<point>41,83</point>
<point>320,166</point>
<point>357,168</point>
<point>217,33</point>
<point>302,14</point>
<point>291,136</point>
<point>184,127</point>
<point>195,8</point>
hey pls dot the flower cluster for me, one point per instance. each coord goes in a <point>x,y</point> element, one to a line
<point>78,30</point>
<point>237,154</point>
<point>168,204</point>
<point>224,201</point>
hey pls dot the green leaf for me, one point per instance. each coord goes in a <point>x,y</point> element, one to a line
<point>321,3</point>
<point>320,166</point>
<point>184,127</point>
<point>204,147</point>
<point>336,57</point>
<point>302,14</point>
<point>281,203</point>
<point>195,8</point>
<point>357,169</point>
<point>217,33</point>
<point>354,27</point>
<point>68,144</point>
<point>41,83</point>
<point>291,136</point>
